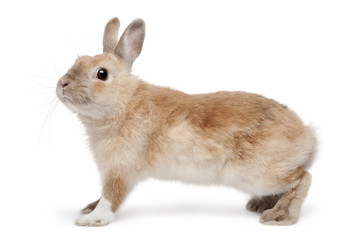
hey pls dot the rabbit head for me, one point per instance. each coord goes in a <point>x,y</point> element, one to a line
<point>99,87</point>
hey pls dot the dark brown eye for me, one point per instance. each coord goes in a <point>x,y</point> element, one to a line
<point>102,74</point>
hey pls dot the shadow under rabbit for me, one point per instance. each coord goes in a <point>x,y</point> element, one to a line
<point>184,210</point>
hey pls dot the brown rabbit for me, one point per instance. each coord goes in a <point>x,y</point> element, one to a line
<point>137,130</point>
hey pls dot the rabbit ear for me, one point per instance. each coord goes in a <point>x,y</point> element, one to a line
<point>110,36</point>
<point>130,44</point>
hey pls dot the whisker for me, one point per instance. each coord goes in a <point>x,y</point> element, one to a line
<point>53,104</point>
<point>51,74</point>
<point>43,85</point>
<point>41,94</point>
<point>57,68</point>
<point>50,116</point>
<point>74,48</point>
<point>43,89</point>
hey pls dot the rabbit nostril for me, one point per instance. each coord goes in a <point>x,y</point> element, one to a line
<point>64,85</point>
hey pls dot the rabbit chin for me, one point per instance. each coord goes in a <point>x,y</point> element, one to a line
<point>91,110</point>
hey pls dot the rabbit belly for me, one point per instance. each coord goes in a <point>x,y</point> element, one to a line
<point>188,169</point>
<point>190,158</point>
<point>211,170</point>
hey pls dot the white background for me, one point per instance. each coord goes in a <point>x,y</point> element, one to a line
<point>297,52</point>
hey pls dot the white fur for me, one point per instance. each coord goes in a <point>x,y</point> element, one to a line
<point>100,216</point>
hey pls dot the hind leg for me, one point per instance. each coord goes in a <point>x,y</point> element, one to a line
<point>260,204</point>
<point>287,209</point>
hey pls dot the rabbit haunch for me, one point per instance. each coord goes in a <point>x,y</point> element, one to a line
<point>137,130</point>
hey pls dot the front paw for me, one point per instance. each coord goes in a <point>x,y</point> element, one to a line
<point>101,215</point>
<point>95,220</point>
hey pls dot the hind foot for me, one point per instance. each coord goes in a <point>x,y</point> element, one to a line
<point>286,210</point>
<point>277,217</point>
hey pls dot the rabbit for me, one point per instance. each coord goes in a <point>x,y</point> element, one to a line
<point>137,130</point>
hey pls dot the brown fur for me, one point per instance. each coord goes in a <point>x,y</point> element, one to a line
<point>110,36</point>
<point>115,190</point>
<point>137,130</point>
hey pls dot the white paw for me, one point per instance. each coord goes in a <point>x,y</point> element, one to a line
<point>93,219</point>
<point>100,216</point>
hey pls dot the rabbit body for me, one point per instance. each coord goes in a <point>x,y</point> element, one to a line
<point>137,130</point>
<point>231,138</point>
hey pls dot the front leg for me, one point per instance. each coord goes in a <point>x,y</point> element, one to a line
<point>114,192</point>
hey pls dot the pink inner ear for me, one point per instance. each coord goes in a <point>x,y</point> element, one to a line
<point>130,44</point>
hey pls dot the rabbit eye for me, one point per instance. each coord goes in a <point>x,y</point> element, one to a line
<point>102,74</point>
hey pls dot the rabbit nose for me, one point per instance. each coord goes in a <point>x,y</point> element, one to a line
<point>64,84</point>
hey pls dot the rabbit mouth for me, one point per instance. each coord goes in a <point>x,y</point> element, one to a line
<point>72,97</point>
<point>65,98</point>
<point>63,95</point>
